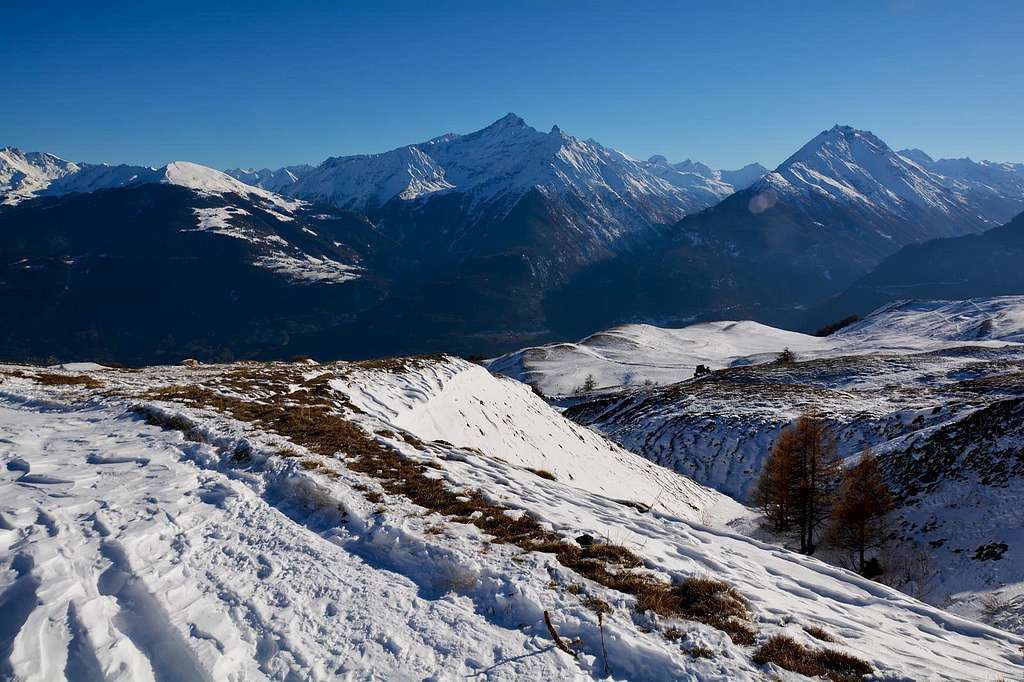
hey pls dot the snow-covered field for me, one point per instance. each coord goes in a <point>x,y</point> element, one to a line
<point>639,354</point>
<point>218,550</point>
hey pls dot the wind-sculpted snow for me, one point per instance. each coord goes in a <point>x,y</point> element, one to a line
<point>463,404</point>
<point>219,550</point>
<point>922,325</point>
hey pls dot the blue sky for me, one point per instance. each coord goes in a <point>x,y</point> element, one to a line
<point>725,82</point>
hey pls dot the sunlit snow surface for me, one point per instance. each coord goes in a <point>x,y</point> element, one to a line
<point>130,553</point>
<point>636,354</point>
<point>307,268</point>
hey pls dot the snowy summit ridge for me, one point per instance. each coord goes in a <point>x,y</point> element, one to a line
<point>847,165</point>
<point>25,175</point>
<point>502,162</point>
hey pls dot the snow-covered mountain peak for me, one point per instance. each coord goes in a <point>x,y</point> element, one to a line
<point>197,177</point>
<point>848,165</point>
<point>368,181</point>
<point>998,186</point>
<point>497,165</point>
<point>917,156</point>
<point>26,175</point>
<point>842,141</point>
<point>210,181</point>
<point>690,166</point>
<point>23,174</point>
<point>509,120</point>
<point>500,163</point>
<point>272,180</point>
<point>744,177</point>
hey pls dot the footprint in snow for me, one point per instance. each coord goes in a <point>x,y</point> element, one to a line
<point>99,459</point>
<point>266,568</point>
<point>41,479</point>
<point>19,464</point>
<point>216,494</point>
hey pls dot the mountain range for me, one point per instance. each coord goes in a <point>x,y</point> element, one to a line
<point>821,220</point>
<point>476,243</point>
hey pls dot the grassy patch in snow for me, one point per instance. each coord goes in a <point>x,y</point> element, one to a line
<point>398,365</point>
<point>701,652</point>
<point>789,654</point>
<point>54,379</point>
<point>819,633</point>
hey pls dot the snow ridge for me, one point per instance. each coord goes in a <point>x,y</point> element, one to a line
<point>497,165</point>
<point>635,355</point>
<point>24,175</point>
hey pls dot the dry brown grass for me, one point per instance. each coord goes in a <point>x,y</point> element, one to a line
<point>706,600</point>
<point>819,633</point>
<point>596,604</point>
<point>701,652</point>
<point>787,653</point>
<point>399,365</point>
<point>543,473</point>
<point>53,379</point>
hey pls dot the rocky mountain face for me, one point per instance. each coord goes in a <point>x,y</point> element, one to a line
<point>500,164</point>
<point>998,187</point>
<point>549,200</point>
<point>804,232</point>
<point>510,236</point>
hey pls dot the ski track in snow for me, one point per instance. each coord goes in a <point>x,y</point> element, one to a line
<point>131,551</point>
